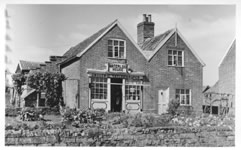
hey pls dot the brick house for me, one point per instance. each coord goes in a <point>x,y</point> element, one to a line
<point>110,70</point>
<point>222,93</point>
<point>226,72</point>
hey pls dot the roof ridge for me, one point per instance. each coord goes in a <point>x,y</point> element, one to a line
<point>31,61</point>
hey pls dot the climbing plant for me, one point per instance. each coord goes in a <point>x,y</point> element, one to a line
<point>50,83</point>
<point>173,106</point>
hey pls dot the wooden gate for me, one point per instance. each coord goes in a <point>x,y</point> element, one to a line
<point>71,93</point>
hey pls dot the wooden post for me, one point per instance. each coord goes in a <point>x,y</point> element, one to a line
<point>108,94</point>
<point>123,95</point>
<point>38,93</point>
<point>210,103</point>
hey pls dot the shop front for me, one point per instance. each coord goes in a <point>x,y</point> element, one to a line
<point>116,89</point>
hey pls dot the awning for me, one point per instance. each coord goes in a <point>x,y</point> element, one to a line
<point>107,74</point>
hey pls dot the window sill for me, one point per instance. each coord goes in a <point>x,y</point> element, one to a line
<point>186,105</point>
<point>133,101</point>
<point>99,100</point>
<point>175,66</point>
<point>116,58</point>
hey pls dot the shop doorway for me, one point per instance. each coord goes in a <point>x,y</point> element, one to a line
<point>116,95</point>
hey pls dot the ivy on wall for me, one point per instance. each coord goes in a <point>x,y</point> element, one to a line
<point>49,83</point>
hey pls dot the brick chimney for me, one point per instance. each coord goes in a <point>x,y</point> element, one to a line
<point>145,29</point>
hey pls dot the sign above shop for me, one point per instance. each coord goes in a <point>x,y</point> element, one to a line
<point>117,67</point>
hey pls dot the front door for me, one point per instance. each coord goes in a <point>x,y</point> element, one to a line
<point>163,100</point>
<point>116,95</point>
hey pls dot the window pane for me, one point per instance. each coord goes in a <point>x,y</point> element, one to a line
<point>182,99</point>
<point>179,53</point>
<point>122,49</point>
<point>188,100</point>
<point>115,42</point>
<point>182,91</point>
<point>175,60</point>
<point>116,51</point>
<point>169,58</point>
<point>174,52</point>
<point>170,63</point>
<point>187,91</point>
<point>170,52</point>
<point>121,52</point>
<point>179,61</point>
<point>121,43</point>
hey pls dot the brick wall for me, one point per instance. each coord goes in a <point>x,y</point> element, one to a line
<point>227,74</point>
<point>162,76</point>
<point>156,136</point>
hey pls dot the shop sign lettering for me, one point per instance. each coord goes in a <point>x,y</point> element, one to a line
<point>115,67</point>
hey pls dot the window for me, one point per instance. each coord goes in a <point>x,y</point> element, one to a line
<point>175,58</point>
<point>184,96</point>
<point>99,88</point>
<point>132,91</point>
<point>116,48</point>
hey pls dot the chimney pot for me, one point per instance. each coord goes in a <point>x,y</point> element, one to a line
<point>149,18</point>
<point>144,17</point>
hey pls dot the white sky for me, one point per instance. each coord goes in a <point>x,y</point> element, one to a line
<point>38,31</point>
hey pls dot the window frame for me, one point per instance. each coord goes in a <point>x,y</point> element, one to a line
<point>184,94</point>
<point>102,85</point>
<point>137,91</point>
<point>174,57</point>
<point>116,46</point>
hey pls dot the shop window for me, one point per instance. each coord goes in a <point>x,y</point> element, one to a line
<point>133,91</point>
<point>116,48</point>
<point>184,96</point>
<point>175,58</point>
<point>99,88</point>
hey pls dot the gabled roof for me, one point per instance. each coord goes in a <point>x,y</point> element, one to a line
<point>28,65</point>
<point>82,47</point>
<point>152,46</point>
<point>228,50</point>
<point>107,29</point>
<point>148,49</point>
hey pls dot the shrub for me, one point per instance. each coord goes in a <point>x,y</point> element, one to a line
<point>173,106</point>
<point>12,112</point>
<point>77,117</point>
<point>31,114</point>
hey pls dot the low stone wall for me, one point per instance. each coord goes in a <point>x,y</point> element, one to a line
<point>156,136</point>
